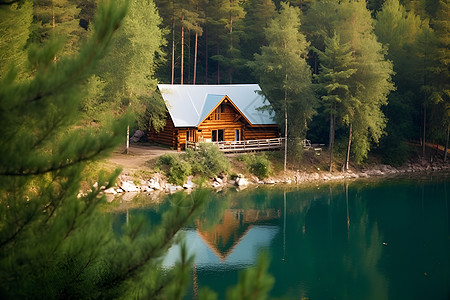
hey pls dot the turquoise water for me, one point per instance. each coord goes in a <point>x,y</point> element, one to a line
<point>388,239</point>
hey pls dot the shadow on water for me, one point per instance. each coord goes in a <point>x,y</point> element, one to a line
<point>387,239</point>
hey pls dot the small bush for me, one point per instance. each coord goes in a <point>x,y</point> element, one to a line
<point>207,161</point>
<point>178,172</point>
<point>175,167</point>
<point>258,165</point>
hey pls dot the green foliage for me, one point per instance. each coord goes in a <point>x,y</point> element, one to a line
<point>57,18</point>
<point>284,75</point>
<point>365,73</point>
<point>42,160</point>
<point>55,242</point>
<point>257,164</point>
<point>128,70</point>
<point>254,284</point>
<point>207,160</point>
<point>175,167</point>
<point>15,21</point>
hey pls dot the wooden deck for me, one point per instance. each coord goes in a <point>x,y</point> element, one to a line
<point>244,146</point>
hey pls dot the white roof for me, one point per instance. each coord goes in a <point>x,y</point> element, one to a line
<point>189,105</point>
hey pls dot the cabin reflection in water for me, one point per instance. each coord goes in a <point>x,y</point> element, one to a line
<point>235,241</point>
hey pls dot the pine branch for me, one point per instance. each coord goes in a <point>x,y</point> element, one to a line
<point>2,2</point>
<point>150,254</point>
<point>60,166</point>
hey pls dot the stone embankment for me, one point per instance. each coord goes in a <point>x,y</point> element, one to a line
<point>159,182</point>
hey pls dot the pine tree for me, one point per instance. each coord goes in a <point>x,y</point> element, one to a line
<point>371,83</point>
<point>441,72</point>
<point>58,18</point>
<point>15,22</point>
<point>258,14</point>
<point>130,67</point>
<point>399,30</point>
<point>334,76</point>
<point>284,74</point>
<point>41,254</point>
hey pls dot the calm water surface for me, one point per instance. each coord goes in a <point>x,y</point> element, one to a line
<point>388,239</point>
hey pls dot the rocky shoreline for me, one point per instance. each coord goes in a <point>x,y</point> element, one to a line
<point>159,183</point>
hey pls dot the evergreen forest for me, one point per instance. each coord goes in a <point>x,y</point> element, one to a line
<point>361,77</point>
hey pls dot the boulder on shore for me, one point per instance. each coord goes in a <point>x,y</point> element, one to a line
<point>128,186</point>
<point>241,181</point>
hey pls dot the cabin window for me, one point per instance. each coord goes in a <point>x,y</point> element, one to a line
<point>187,136</point>
<point>216,115</point>
<point>237,135</point>
<point>217,135</point>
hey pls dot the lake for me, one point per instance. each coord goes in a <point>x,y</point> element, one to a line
<point>385,239</point>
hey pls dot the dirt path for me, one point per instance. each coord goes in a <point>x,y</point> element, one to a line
<point>138,157</point>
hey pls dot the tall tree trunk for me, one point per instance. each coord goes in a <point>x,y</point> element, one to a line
<point>446,143</point>
<point>182,49</point>
<point>230,70</point>
<point>424,128</point>
<point>189,58</point>
<point>53,26</point>
<point>128,140</point>
<point>218,63</point>
<point>206,55</point>
<point>347,157</point>
<point>331,142</point>
<point>195,57</point>
<point>173,48</point>
<point>316,69</point>
<point>285,126</point>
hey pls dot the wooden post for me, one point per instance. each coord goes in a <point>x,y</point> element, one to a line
<point>285,127</point>
<point>128,140</point>
<point>347,157</point>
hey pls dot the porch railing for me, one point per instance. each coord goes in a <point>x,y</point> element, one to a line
<point>244,146</point>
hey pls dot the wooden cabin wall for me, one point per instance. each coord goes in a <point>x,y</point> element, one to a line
<point>166,136</point>
<point>256,133</point>
<point>230,120</point>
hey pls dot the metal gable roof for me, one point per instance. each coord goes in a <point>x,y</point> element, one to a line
<point>188,105</point>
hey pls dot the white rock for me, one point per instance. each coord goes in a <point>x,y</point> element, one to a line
<point>173,188</point>
<point>219,180</point>
<point>216,184</point>
<point>119,190</point>
<point>146,189</point>
<point>111,190</point>
<point>241,181</point>
<point>128,186</point>
<point>189,185</point>
<point>154,184</point>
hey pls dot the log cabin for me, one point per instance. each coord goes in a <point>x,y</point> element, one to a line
<point>214,113</point>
